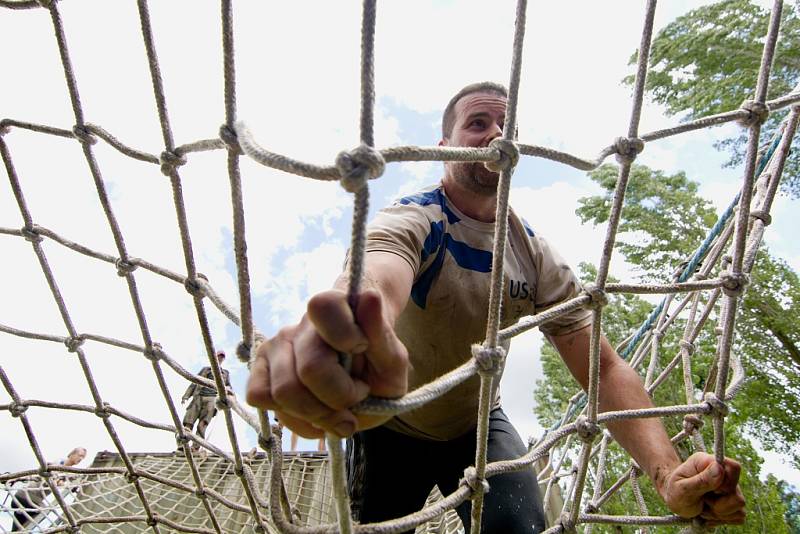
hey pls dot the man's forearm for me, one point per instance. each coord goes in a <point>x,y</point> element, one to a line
<point>644,438</point>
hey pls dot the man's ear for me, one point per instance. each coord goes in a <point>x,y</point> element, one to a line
<point>443,142</point>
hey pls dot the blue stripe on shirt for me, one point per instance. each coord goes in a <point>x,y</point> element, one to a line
<point>432,197</point>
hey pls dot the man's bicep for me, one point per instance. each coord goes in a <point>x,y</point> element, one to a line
<point>574,350</point>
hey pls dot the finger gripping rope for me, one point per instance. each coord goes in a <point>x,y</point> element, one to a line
<point>733,284</point>
<point>17,409</point>
<point>31,235</point>
<point>692,423</point>
<point>170,161</point>
<point>243,351</point>
<point>587,430</point>
<point>757,113</point>
<point>83,134</point>
<point>598,297</point>
<point>359,165</point>
<point>762,215</point>
<point>489,359</point>
<point>718,407</point>
<point>124,268</point>
<point>229,137</point>
<point>627,148</point>
<point>508,155</point>
<point>475,484</point>
<point>73,343</point>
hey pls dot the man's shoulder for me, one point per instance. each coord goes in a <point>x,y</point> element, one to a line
<point>428,203</point>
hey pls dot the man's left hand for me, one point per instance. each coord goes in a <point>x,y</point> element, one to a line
<point>703,487</point>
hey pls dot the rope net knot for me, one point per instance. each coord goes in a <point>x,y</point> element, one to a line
<point>692,423</point>
<point>244,351</point>
<point>229,137</point>
<point>717,407</point>
<point>757,113</point>
<point>154,352</point>
<point>734,284</point>
<point>124,266</point>
<point>567,524</point>
<point>587,430</point>
<point>627,148</point>
<point>102,411</point>
<point>687,346</point>
<point>170,161</point>
<point>762,216</point>
<point>490,359</point>
<point>31,234</point>
<point>17,408</point>
<point>83,134</point>
<point>471,480</point>
<point>597,297</point>
<point>508,155</point>
<point>196,287</point>
<point>73,343</point>
<point>359,165</point>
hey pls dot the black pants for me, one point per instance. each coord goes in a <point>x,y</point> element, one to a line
<point>399,472</point>
<point>24,512</point>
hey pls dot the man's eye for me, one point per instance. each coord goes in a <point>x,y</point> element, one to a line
<point>478,123</point>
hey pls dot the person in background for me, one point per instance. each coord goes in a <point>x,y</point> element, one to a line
<point>203,407</point>
<point>27,501</point>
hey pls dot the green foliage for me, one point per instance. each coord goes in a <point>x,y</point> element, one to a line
<point>707,62</point>
<point>663,221</point>
<point>791,500</point>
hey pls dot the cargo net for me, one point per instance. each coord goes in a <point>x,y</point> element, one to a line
<point>261,491</point>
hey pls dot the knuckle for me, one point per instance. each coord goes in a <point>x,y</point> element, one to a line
<point>258,396</point>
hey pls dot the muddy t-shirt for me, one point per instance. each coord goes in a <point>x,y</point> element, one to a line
<point>451,257</point>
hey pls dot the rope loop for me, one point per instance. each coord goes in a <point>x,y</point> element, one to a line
<point>222,403</point>
<point>124,267</point>
<point>477,485</point>
<point>82,134</point>
<point>508,155</point>
<point>229,137</point>
<point>265,442</point>
<point>131,478</point>
<point>762,215</point>
<point>170,161</point>
<point>627,148</point>
<point>243,351</point>
<point>195,287</point>
<point>17,408</point>
<point>73,343</point>
<point>733,284</point>
<point>181,439</point>
<point>490,359</point>
<point>757,113</point>
<point>597,296</point>
<point>717,407</point>
<point>238,471</point>
<point>688,346</point>
<point>658,335</point>
<point>45,473</point>
<point>587,430</point>
<point>590,508</point>
<point>154,352</point>
<point>102,411</point>
<point>152,520</point>
<point>567,524</point>
<point>359,165</point>
<point>31,235</point>
<point>692,423</point>
<point>200,493</point>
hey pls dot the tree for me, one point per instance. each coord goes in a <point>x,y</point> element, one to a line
<point>658,207</point>
<point>707,61</point>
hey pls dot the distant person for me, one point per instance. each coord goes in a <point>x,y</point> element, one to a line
<point>27,501</point>
<point>203,406</point>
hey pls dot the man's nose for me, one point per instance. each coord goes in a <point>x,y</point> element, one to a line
<point>494,132</point>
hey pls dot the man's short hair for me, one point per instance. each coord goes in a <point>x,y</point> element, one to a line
<point>220,353</point>
<point>449,117</point>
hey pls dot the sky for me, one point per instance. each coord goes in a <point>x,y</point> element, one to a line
<point>297,90</point>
